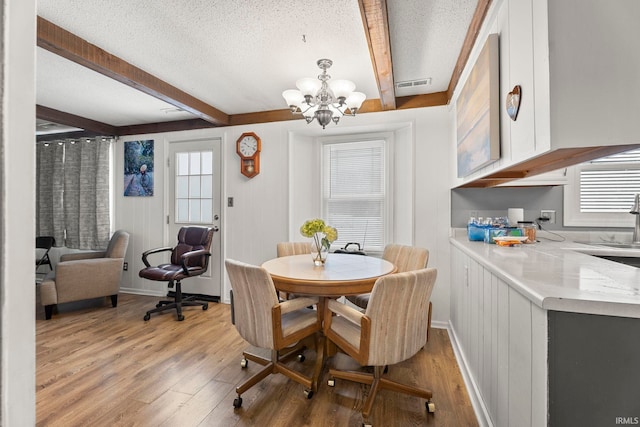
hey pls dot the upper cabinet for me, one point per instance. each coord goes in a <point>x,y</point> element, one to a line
<point>577,67</point>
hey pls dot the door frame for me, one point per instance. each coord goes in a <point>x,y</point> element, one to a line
<point>168,203</point>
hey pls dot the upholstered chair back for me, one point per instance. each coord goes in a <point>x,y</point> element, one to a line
<point>293,248</point>
<point>193,239</point>
<point>254,295</point>
<point>398,312</point>
<point>406,258</point>
<point>117,245</point>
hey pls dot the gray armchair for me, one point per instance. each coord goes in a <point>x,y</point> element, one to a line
<point>86,275</point>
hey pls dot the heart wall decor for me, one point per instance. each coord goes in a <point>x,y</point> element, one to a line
<point>513,102</point>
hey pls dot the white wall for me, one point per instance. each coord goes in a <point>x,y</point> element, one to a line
<point>270,207</point>
<point>17,200</point>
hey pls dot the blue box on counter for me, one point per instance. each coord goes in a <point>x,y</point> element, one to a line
<point>475,232</point>
<point>491,232</point>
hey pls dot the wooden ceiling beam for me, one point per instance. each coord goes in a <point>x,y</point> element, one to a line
<point>67,119</point>
<point>376,26</point>
<point>174,126</point>
<point>61,42</point>
<point>470,39</point>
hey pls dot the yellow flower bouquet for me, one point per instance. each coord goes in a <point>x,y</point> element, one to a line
<point>323,235</point>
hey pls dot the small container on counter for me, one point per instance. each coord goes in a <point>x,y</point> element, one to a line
<point>491,233</point>
<point>529,229</point>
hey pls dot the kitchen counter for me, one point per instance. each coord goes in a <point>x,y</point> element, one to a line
<point>562,276</point>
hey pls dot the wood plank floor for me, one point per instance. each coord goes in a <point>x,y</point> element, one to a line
<point>104,366</point>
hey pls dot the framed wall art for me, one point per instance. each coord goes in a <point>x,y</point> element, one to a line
<point>478,112</point>
<point>138,168</point>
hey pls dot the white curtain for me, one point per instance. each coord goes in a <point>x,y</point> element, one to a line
<point>81,199</point>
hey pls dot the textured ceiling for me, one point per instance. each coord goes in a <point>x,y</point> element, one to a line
<point>238,56</point>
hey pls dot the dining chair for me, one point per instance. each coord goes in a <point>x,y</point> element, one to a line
<point>405,258</point>
<point>293,248</point>
<point>265,322</point>
<point>392,329</point>
<point>289,249</point>
<point>189,258</point>
<point>43,246</point>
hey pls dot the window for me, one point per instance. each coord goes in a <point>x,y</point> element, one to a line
<point>601,192</point>
<point>194,187</point>
<point>355,192</point>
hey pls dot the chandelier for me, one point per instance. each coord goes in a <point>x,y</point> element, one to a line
<point>324,100</point>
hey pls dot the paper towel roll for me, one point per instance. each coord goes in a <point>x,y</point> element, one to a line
<point>515,215</point>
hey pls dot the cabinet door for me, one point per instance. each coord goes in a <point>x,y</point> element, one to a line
<point>522,132</point>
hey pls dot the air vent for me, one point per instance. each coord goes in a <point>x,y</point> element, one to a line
<point>412,83</point>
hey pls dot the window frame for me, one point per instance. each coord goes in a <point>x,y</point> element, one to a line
<point>571,200</point>
<point>388,174</point>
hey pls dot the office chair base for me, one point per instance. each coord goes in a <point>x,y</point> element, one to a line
<point>274,365</point>
<point>176,304</point>
<point>377,382</point>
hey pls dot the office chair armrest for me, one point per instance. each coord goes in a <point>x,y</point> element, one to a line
<point>153,251</point>
<point>345,311</point>
<point>297,304</point>
<point>185,257</point>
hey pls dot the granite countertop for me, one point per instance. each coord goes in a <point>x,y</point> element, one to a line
<point>562,275</point>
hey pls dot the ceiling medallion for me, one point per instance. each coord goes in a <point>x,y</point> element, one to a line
<point>322,99</point>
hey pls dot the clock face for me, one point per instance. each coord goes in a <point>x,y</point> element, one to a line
<point>248,146</point>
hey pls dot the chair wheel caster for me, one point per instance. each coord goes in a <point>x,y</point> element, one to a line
<point>331,382</point>
<point>206,306</point>
<point>158,305</point>
<point>431,407</point>
<point>147,317</point>
<point>308,394</point>
<point>237,402</point>
<point>180,318</point>
<point>244,363</point>
<point>301,358</point>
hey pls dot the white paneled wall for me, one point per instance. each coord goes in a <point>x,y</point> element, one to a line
<point>271,207</point>
<point>502,339</point>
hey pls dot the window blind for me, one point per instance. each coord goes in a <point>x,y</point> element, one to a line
<point>608,184</point>
<point>355,196</point>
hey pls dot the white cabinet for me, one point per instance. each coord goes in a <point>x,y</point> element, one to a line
<point>580,96</point>
<point>502,338</point>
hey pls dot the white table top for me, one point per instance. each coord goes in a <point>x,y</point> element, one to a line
<point>339,267</point>
<point>342,274</point>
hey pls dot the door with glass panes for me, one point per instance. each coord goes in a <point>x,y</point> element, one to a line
<point>194,196</point>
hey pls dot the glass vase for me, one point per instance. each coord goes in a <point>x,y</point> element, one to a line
<point>319,252</point>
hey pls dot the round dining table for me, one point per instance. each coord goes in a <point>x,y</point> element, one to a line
<point>342,274</point>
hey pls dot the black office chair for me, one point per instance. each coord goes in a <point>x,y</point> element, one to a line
<point>189,258</point>
<point>45,243</point>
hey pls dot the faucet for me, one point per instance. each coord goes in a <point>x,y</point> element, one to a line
<point>635,210</point>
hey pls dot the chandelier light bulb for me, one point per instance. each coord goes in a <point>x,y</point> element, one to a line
<point>342,88</point>
<point>354,101</point>
<point>309,86</point>
<point>294,98</point>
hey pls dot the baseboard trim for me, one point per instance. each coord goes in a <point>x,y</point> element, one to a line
<point>145,292</point>
<point>479,407</point>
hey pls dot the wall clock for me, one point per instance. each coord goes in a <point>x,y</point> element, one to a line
<point>248,147</point>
